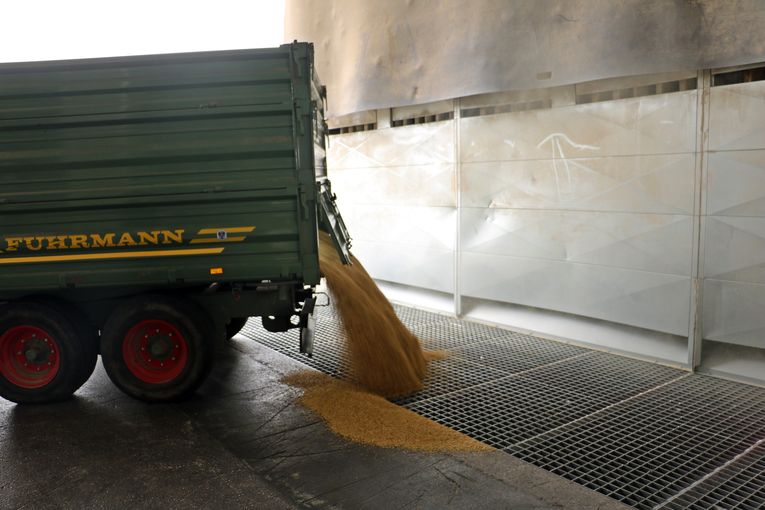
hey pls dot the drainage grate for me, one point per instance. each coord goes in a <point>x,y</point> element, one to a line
<point>514,352</point>
<point>451,374</point>
<point>604,377</point>
<point>645,434</point>
<point>740,484</point>
<point>412,317</point>
<point>645,450</point>
<point>506,411</point>
<point>328,354</point>
<point>454,333</point>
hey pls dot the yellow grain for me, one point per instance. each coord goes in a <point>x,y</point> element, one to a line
<point>364,417</point>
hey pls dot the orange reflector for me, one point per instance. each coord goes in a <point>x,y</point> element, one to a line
<point>216,270</point>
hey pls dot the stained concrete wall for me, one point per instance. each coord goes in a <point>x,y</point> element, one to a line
<point>383,53</point>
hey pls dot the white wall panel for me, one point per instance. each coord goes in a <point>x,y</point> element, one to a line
<point>734,254</point>
<point>419,144</point>
<point>650,184</point>
<point>733,313</point>
<point>424,185</point>
<point>588,210</point>
<point>403,225</point>
<point>397,193</point>
<point>418,266</point>
<point>735,249</point>
<point>736,117</point>
<point>584,209</point>
<point>736,185</point>
<point>647,242</point>
<point>655,301</point>
<point>647,125</point>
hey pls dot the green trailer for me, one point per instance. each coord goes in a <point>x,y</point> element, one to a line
<point>148,206</point>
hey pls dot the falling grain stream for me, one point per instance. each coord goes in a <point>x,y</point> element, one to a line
<point>386,360</point>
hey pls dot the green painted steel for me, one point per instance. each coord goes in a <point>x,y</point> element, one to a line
<point>156,171</point>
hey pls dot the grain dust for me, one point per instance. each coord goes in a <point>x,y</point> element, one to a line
<point>364,417</point>
<point>385,357</point>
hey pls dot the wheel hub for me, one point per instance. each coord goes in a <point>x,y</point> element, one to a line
<point>155,351</point>
<point>37,350</point>
<point>28,356</point>
<point>160,347</point>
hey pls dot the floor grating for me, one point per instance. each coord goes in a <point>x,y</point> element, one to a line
<point>645,450</point>
<point>739,485</point>
<point>645,434</point>
<point>513,352</point>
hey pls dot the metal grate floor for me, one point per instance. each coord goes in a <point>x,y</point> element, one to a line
<point>740,484</point>
<point>645,434</point>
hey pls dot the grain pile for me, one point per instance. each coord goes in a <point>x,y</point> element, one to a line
<point>385,357</point>
<point>361,416</point>
<point>386,360</point>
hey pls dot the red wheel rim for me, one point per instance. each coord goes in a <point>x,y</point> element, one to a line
<point>29,357</point>
<point>155,351</point>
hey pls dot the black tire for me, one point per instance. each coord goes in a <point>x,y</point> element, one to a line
<point>35,371</point>
<point>234,326</point>
<point>163,365</point>
<point>87,335</point>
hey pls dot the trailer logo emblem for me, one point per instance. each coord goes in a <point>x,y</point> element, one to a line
<point>221,235</point>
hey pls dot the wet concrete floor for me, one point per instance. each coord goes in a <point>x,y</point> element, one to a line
<point>242,442</point>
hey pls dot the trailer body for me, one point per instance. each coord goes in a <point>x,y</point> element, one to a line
<point>199,177</point>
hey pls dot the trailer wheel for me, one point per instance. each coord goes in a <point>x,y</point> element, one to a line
<point>158,348</point>
<point>234,326</point>
<point>40,355</point>
<point>87,334</point>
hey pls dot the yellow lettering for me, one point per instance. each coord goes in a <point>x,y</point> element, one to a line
<point>57,242</point>
<point>29,243</point>
<point>99,241</point>
<point>108,240</point>
<point>79,241</point>
<point>13,243</point>
<point>126,240</point>
<point>172,236</point>
<point>145,238</point>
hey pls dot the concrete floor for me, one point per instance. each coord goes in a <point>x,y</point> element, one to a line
<point>242,442</point>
